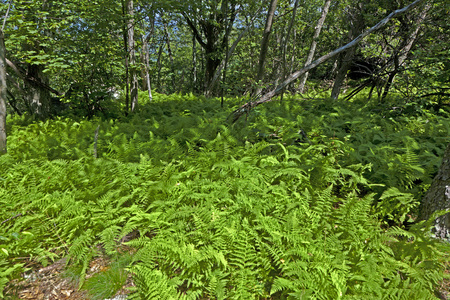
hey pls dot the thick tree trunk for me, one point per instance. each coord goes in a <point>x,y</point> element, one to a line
<point>342,72</point>
<point>38,97</point>
<point>312,50</point>
<point>216,30</point>
<point>438,198</point>
<point>265,44</point>
<point>3,93</point>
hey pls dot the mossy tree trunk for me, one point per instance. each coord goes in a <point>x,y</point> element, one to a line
<point>438,198</point>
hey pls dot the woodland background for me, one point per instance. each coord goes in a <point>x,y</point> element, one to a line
<point>179,141</point>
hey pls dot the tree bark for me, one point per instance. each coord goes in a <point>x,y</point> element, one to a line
<point>312,50</point>
<point>438,198</point>
<point>132,55</point>
<point>127,62</point>
<point>265,44</point>
<point>169,51</point>
<point>356,27</point>
<point>3,94</point>
<point>269,96</point>
<point>285,41</point>
<point>38,97</point>
<point>194,63</point>
<point>147,66</point>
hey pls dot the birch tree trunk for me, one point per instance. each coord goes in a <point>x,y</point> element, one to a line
<point>265,43</point>
<point>147,66</point>
<point>127,62</point>
<point>132,55</point>
<point>312,50</point>
<point>285,40</point>
<point>194,63</point>
<point>438,198</point>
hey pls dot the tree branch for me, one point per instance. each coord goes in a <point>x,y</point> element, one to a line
<point>194,30</point>
<point>21,73</point>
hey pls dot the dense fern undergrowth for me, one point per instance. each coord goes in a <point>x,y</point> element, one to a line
<point>298,200</point>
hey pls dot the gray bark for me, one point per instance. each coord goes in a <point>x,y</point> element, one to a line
<point>147,67</point>
<point>312,50</point>
<point>265,44</point>
<point>38,97</point>
<point>194,62</point>
<point>438,198</point>
<point>132,55</point>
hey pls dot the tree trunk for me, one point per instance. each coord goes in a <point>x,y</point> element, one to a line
<point>285,41</point>
<point>216,30</point>
<point>312,50</point>
<point>438,198</point>
<point>147,67</point>
<point>3,93</point>
<point>194,63</point>
<point>169,51</point>
<point>38,97</point>
<point>265,44</point>
<point>132,54</point>
<point>127,63</point>
<point>356,26</point>
<point>342,72</point>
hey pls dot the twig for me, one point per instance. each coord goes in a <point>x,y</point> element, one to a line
<point>14,217</point>
<point>95,141</point>
<point>6,15</point>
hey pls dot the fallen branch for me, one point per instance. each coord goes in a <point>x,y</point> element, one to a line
<point>244,109</point>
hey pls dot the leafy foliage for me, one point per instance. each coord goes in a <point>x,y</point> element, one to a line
<point>292,203</point>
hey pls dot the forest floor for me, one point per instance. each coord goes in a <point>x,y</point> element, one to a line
<point>53,283</point>
<point>50,283</point>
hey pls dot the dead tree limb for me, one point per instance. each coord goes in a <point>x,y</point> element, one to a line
<point>244,109</point>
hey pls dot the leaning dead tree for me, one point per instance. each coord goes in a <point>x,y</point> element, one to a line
<point>244,109</point>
